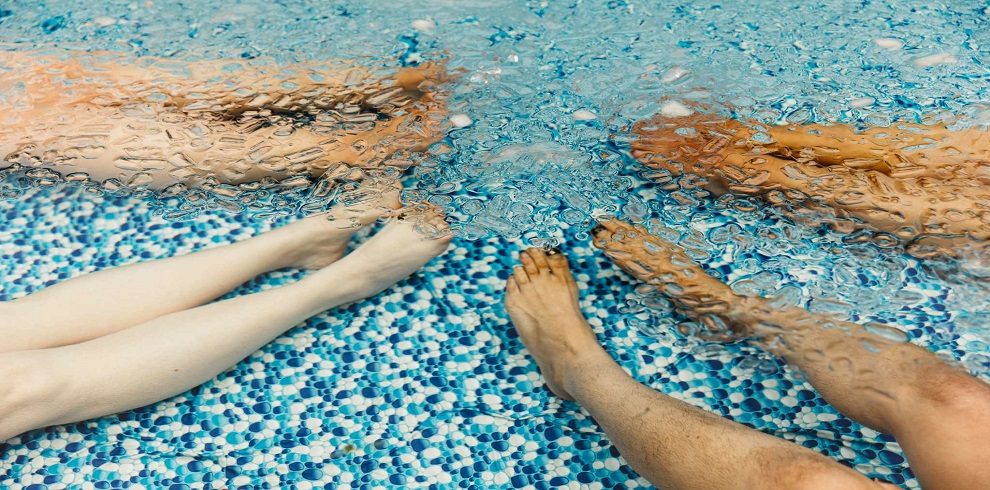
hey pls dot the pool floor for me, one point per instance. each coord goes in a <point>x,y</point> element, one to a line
<point>424,385</point>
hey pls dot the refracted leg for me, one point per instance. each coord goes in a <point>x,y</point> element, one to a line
<point>922,185</point>
<point>901,151</point>
<point>168,355</point>
<point>227,87</point>
<point>148,126</point>
<point>669,442</point>
<point>939,415</point>
<point>104,302</point>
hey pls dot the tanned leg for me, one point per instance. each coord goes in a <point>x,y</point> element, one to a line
<point>939,415</point>
<point>669,442</point>
<point>150,127</point>
<point>923,185</point>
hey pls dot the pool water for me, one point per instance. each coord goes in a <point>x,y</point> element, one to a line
<point>427,383</point>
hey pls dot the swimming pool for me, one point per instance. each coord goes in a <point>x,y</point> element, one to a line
<point>427,384</point>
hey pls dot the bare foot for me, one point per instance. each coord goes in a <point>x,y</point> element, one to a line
<point>322,239</point>
<point>395,252</point>
<point>542,300</point>
<point>666,267</point>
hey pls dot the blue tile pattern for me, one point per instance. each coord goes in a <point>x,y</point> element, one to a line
<point>426,385</point>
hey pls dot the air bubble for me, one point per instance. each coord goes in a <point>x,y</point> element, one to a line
<point>674,74</point>
<point>460,120</point>
<point>935,60</point>
<point>861,102</point>
<point>424,25</point>
<point>672,108</point>
<point>889,43</point>
<point>584,115</point>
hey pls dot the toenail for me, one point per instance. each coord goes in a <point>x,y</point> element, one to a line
<point>597,229</point>
<point>554,251</point>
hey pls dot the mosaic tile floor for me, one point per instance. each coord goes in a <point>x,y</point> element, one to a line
<point>425,385</point>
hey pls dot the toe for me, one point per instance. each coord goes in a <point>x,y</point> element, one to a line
<point>600,236</point>
<point>613,225</point>
<point>528,264</point>
<point>604,235</point>
<point>439,222</point>
<point>558,262</point>
<point>428,219</point>
<point>366,204</point>
<point>521,276</point>
<point>391,198</point>
<point>539,258</point>
<point>432,214</point>
<point>511,287</point>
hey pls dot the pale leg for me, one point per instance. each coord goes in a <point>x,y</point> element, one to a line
<point>104,302</point>
<point>173,353</point>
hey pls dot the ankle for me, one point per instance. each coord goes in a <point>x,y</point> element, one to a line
<point>336,285</point>
<point>745,314</point>
<point>580,345</point>
<point>274,249</point>
<point>587,367</point>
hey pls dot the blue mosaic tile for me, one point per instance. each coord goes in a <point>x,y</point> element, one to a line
<point>425,385</point>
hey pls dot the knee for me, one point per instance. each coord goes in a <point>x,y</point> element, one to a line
<point>831,478</point>
<point>837,478</point>
<point>799,469</point>
<point>951,390</point>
